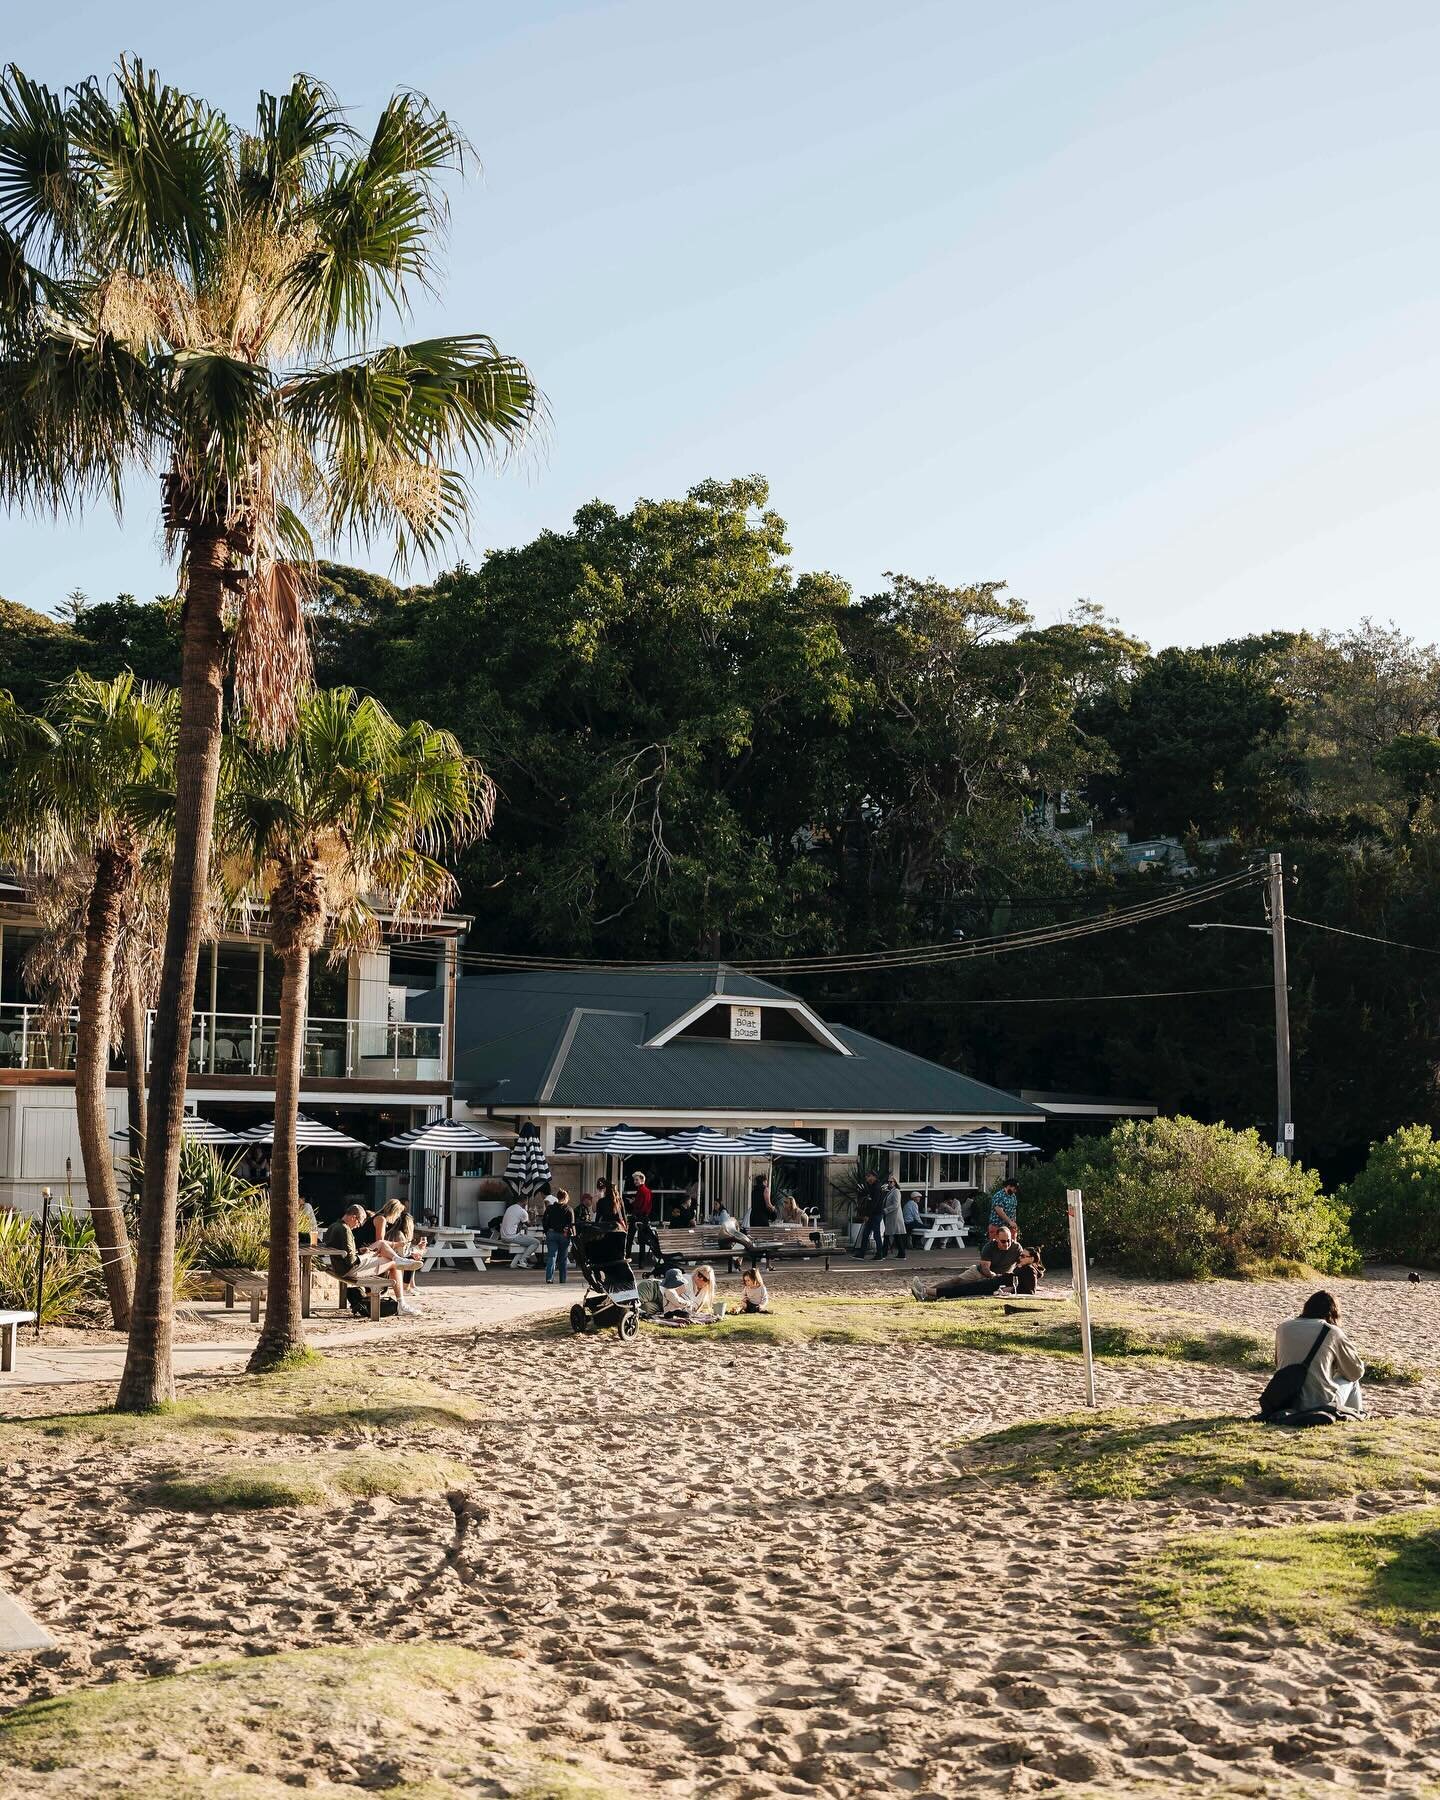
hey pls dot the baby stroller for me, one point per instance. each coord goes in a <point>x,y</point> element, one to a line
<point>611,1296</point>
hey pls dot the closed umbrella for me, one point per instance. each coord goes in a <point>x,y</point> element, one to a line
<point>527,1170</point>
<point>447,1138</point>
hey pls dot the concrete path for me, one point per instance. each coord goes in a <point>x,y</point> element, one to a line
<point>453,1302</point>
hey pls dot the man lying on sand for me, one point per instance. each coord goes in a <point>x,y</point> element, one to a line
<point>996,1270</point>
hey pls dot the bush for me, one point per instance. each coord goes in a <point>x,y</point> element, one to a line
<point>1173,1197</point>
<point>73,1285</point>
<point>237,1238</point>
<point>1395,1199</point>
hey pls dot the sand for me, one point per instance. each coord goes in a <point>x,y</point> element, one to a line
<point>745,1570</point>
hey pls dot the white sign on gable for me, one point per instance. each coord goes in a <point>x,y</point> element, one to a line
<point>745,1023</point>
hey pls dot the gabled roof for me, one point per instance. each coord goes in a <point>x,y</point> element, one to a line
<point>558,1041</point>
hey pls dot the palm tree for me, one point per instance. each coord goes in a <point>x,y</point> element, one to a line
<point>188,299</point>
<point>80,806</point>
<point>346,820</point>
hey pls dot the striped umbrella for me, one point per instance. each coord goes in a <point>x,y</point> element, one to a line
<point>527,1170</point>
<point>928,1140</point>
<point>443,1137</point>
<point>620,1140</point>
<point>769,1140</point>
<point>310,1134</point>
<point>195,1130</point>
<point>705,1140</point>
<point>988,1142</point>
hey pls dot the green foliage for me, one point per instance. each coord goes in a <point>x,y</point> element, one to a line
<point>238,1237</point>
<point>212,1185</point>
<point>1318,1580</point>
<point>1394,1201</point>
<point>1128,1455</point>
<point>72,1270</point>
<point>1175,1198</point>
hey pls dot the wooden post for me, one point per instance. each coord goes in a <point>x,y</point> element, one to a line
<point>1075,1208</point>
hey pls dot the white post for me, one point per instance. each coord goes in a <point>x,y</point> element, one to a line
<point>1075,1208</point>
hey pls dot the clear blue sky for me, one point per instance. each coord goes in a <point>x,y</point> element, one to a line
<point>1105,298</point>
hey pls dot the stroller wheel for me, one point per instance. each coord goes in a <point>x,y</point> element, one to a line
<point>628,1325</point>
<point>578,1318</point>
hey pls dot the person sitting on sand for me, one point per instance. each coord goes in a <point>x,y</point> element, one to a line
<point>1333,1379</point>
<point>995,1272</point>
<point>754,1295</point>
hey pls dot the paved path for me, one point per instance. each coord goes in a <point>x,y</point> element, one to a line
<point>452,1302</point>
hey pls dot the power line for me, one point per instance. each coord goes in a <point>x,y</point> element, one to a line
<point>1000,943</point>
<point>1063,999</point>
<point>1365,936</point>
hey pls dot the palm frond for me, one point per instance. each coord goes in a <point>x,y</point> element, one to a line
<point>43,196</point>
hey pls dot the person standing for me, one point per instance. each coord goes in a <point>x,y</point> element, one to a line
<point>872,1215</point>
<point>558,1224</point>
<point>641,1234</point>
<point>1005,1211</point>
<point>761,1212</point>
<point>894,1220</point>
<point>609,1213</point>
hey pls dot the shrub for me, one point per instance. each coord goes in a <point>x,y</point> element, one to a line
<point>1395,1199</point>
<point>237,1238</point>
<point>1173,1197</point>
<point>72,1268</point>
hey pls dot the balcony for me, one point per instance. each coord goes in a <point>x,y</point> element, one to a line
<point>245,1044</point>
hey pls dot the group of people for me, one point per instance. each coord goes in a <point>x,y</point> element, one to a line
<point>383,1244</point>
<point>888,1218</point>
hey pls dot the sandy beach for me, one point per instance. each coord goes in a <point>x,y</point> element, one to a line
<point>748,1569</point>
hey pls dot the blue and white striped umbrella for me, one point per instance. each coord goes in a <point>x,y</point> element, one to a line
<point>705,1140</point>
<point>310,1134</point>
<point>443,1137</point>
<point>769,1140</point>
<point>620,1140</point>
<point>928,1140</point>
<point>527,1170</point>
<point>195,1130</point>
<point>989,1142</point>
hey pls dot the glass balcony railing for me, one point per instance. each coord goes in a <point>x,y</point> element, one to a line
<point>245,1044</point>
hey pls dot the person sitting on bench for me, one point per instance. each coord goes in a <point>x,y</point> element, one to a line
<point>996,1271</point>
<point>516,1235</point>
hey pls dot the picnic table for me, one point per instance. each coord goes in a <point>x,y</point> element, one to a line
<point>10,1323</point>
<point>454,1243</point>
<point>940,1228</point>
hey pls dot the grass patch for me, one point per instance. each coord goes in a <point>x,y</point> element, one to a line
<point>447,1721</point>
<point>317,1481</point>
<point>1322,1580</point>
<point>315,1399</point>
<point>1045,1327</point>
<point>1125,1455</point>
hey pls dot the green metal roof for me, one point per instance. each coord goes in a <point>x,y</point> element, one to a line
<point>561,1041</point>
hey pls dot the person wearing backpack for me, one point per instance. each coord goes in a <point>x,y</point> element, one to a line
<point>1332,1375</point>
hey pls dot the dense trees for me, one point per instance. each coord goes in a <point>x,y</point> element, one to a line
<point>701,751</point>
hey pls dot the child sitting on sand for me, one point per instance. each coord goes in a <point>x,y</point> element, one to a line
<point>754,1295</point>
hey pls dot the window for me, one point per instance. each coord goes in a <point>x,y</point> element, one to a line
<point>563,1136</point>
<point>957,1171</point>
<point>870,1157</point>
<point>840,1143</point>
<point>915,1167</point>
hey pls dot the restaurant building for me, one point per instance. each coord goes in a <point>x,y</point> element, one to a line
<point>570,1052</point>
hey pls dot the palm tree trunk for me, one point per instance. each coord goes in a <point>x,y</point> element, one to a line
<point>132,1027</point>
<point>282,1335</point>
<point>114,870</point>
<point>149,1377</point>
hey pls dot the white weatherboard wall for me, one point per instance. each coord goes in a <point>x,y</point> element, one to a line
<point>38,1130</point>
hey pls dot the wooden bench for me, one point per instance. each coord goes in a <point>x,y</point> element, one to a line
<point>776,1242</point>
<point>10,1323</point>
<point>249,1282</point>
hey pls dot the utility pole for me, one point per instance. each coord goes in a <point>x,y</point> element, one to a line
<point>1275,893</point>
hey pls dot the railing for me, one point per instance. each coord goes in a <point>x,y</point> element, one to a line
<point>239,1044</point>
<point>27,1043</point>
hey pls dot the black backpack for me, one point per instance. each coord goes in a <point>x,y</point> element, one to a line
<point>1282,1390</point>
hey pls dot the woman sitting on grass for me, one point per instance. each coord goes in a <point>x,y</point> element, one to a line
<point>690,1300</point>
<point>754,1295</point>
<point>1333,1379</point>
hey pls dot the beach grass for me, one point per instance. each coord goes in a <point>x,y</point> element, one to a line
<point>1123,1455</point>
<point>317,1481</point>
<point>1045,1327</point>
<point>1318,1580</point>
<point>317,1398</point>
<point>246,1729</point>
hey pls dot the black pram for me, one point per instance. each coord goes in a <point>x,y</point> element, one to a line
<point>611,1296</point>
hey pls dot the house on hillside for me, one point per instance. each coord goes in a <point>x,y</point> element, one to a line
<point>368,1068</point>
<point>574,1051</point>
